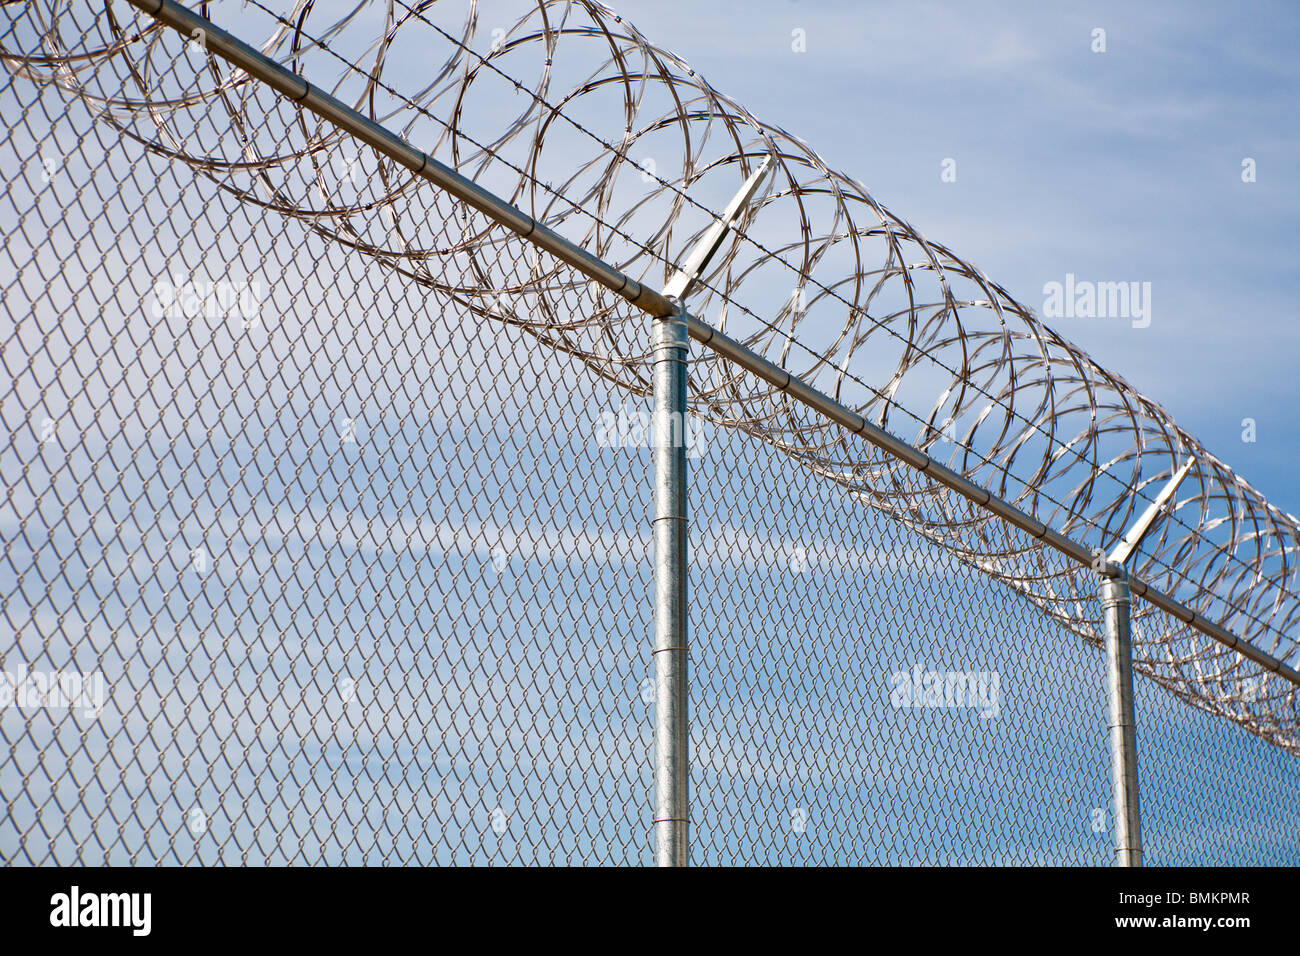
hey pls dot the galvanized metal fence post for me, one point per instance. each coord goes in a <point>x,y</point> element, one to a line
<point>672,325</point>
<point>672,744</point>
<point>1115,606</point>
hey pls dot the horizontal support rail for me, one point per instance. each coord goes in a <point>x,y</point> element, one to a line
<point>294,87</point>
<point>843,415</point>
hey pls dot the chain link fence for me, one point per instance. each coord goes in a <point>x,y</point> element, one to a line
<point>315,552</point>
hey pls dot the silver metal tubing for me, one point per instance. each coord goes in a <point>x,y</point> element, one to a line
<point>782,380</point>
<point>220,43</point>
<point>1115,606</point>
<point>655,304</point>
<point>672,738</point>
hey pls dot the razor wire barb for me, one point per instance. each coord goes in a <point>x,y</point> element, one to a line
<point>818,278</point>
<point>1013,377</point>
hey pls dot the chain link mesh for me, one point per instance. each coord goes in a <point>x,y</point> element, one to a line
<point>316,552</point>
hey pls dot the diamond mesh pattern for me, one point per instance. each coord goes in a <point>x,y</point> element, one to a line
<point>358,553</point>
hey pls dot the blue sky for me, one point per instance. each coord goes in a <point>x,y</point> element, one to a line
<point>333,665</point>
<point>1123,165</point>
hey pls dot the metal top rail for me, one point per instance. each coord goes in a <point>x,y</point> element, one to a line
<point>653,303</point>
